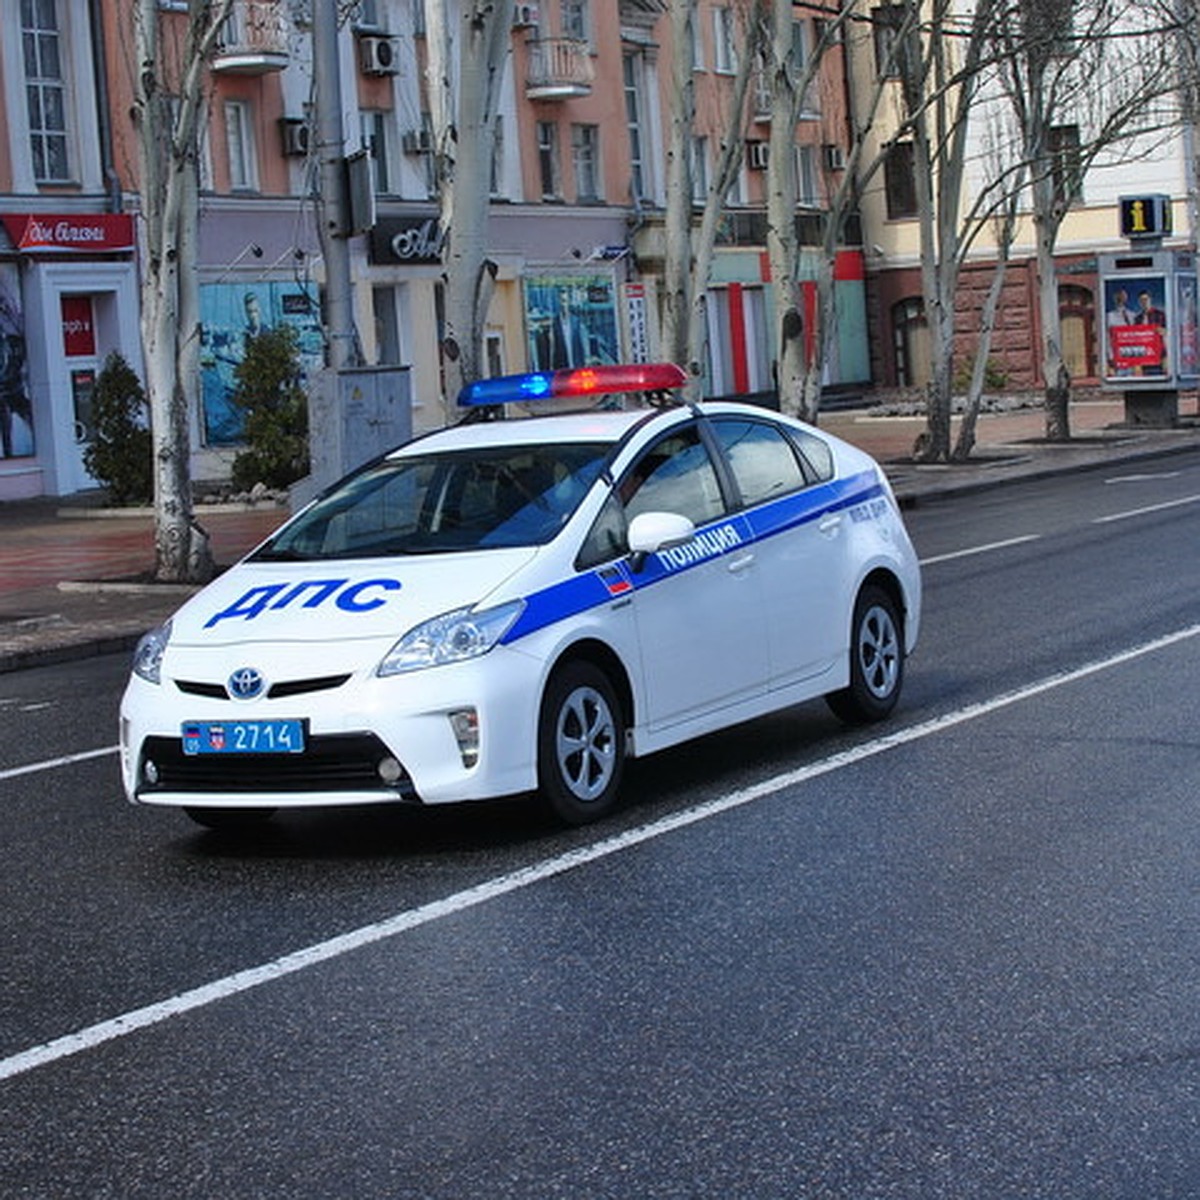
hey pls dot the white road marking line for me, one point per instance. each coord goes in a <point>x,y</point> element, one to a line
<point>1017,541</point>
<point>1146,477</point>
<point>50,763</point>
<point>1150,508</point>
<point>367,935</point>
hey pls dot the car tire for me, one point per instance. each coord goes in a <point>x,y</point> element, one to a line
<point>876,660</point>
<point>581,744</point>
<point>229,819</point>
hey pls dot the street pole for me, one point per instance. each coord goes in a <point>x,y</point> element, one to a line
<point>334,225</point>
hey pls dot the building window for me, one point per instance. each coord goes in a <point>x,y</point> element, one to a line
<point>806,176</point>
<point>367,15</point>
<point>585,159</point>
<point>239,146</point>
<point>575,22</point>
<point>1065,163</point>
<point>639,185</point>
<point>374,140</point>
<point>887,22</point>
<point>45,91</point>
<point>724,55</point>
<point>496,180</point>
<point>910,343</point>
<point>899,181</point>
<point>699,170</point>
<point>547,149</point>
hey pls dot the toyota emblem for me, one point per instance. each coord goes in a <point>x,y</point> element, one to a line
<point>245,683</point>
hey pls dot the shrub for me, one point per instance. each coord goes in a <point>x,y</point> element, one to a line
<point>121,457</point>
<point>267,390</point>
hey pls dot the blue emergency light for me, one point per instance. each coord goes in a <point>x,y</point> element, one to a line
<point>572,381</point>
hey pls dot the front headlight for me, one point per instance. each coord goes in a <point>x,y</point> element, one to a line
<point>147,658</point>
<point>452,637</point>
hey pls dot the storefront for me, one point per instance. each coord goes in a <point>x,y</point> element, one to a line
<point>68,297</point>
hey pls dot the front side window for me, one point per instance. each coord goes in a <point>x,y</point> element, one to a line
<point>45,90</point>
<point>441,503</point>
<point>675,475</point>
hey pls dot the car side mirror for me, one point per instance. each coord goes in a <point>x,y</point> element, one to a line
<point>653,531</point>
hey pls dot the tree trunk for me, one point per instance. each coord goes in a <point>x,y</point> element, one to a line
<point>169,289</point>
<point>465,152</point>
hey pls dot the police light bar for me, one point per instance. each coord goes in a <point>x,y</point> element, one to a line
<point>572,381</point>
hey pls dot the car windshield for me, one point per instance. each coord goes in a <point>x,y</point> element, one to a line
<point>477,499</point>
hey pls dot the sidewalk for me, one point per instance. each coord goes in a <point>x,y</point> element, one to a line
<point>65,566</point>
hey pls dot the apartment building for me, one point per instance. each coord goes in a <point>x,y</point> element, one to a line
<point>577,189</point>
<point>1157,163</point>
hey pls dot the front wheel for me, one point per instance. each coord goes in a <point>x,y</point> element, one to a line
<point>876,660</point>
<point>581,744</point>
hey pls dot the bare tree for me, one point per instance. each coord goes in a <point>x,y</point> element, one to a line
<point>1108,74</point>
<point>169,111</point>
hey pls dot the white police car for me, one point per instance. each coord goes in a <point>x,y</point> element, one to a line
<point>515,606</point>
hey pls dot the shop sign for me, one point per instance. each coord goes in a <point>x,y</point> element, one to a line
<point>406,240</point>
<point>77,233</point>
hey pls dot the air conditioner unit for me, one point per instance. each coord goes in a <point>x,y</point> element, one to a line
<point>379,55</point>
<point>417,141</point>
<point>296,136</point>
<point>526,16</point>
<point>757,154</point>
<point>835,158</point>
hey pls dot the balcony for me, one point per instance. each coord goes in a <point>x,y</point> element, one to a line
<point>559,68</point>
<point>254,39</point>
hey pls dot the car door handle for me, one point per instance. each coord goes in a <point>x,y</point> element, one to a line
<point>830,525</point>
<point>741,563</point>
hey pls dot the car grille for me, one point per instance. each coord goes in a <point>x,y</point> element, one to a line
<point>277,691</point>
<point>340,762</point>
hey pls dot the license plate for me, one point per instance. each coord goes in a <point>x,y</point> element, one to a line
<point>243,737</point>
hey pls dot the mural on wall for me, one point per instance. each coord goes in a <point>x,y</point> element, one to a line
<point>229,314</point>
<point>16,408</point>
<point>570,321</point>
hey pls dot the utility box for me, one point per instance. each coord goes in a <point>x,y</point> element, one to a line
<point>1148,335</point>
<point>354,415</point>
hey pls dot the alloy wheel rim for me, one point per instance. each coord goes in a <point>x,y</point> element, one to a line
<point>585,740</point>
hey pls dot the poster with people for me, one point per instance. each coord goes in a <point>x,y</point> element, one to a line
<point>1135,325</point>
<point>570,321</point>
<point>230,314</point>
<point>16,408</point>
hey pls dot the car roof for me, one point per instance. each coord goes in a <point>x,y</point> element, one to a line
<point>603,427</point>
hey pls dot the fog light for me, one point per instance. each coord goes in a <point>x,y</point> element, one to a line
<point>389,770</point>
<point>150,772</point>
<point>465,723</point>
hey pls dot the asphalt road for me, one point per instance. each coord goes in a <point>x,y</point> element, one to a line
<point>955,956</point>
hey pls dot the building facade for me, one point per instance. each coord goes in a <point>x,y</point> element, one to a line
<point>578,188</point>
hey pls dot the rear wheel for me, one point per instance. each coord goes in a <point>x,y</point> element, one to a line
<point>229,818</point>
<point>581,744</point>
<point>876,660</point>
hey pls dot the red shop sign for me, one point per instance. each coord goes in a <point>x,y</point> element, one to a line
<point>79,331</point>
<point>77,233</point>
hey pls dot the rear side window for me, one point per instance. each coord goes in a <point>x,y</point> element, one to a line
<point>818,458</point>
<point>763,461</point>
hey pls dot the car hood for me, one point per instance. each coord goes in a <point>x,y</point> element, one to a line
<point>336,601</point>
